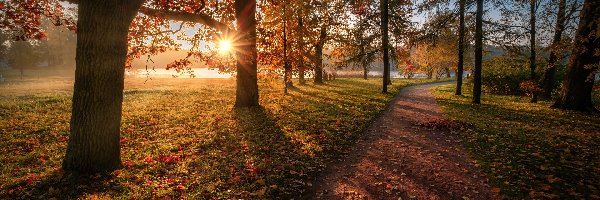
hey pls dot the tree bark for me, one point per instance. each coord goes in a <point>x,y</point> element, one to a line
<point>365,72</point>
<point>247,80</point>
<point>94,141</point>
<point>461,47</point>
<point>301,67</point>
<point>576,93</point>
<point>532,5</point>
<point>319,55</point>
<point>287,68</point>
<point>384,45</point>
<point>478,53</point>
<point>550,72</point>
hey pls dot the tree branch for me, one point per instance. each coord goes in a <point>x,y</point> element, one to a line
<point>187,17</point>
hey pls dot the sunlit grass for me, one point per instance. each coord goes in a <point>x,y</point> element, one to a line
<point>529,150</point>
<point>182,137</point>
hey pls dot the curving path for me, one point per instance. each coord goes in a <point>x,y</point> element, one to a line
<point>399,159</point>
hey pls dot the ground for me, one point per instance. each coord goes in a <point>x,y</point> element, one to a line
<point>182,138</point>
<point>528,150</point>
<point>402,157</point>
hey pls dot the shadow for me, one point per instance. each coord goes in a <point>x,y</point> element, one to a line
<point>60,184</point>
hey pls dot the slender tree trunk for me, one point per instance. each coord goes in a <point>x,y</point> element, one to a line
<point>287,71</point>
<point>94,141</point>
<point>365,72</point>
<point>461,47</point>
<point>549,73</point>
<point>576,93</point>
<point>285,64</point>
<point>301,67</point>
<point>384,45</point>
<point>532,5</point>
<point>319,55</point>
<point>247,80</point>
<point>478,53</point>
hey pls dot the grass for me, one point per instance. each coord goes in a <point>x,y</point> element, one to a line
<point>529,150</point>
<point>182,138</point>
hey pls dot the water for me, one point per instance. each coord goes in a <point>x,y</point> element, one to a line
<point>163,73</point>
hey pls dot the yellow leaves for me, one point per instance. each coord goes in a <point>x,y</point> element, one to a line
<point>260,192</point>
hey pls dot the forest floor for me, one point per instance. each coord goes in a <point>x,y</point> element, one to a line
<point>404,155</point>
<point>528,150</point>
<point>181,138</point>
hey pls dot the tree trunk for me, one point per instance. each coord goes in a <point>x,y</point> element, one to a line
<point>246,81</point>
<point>576,93</point>
<point>287,69</point>
<point>549,73</point>
<point>447,72</point>
<point>384,45</point>
<point>94,141</point>
<point>532,5</point>
<point>319,55</point>
<point>301,67</point>
<point>365,72</point>
<point>478,53</point>
<point>461,47</point>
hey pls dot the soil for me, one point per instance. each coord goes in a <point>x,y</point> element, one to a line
<point>398,158</point>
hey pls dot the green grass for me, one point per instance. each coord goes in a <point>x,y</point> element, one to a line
<point>182,137</point>
<point>529,150</point>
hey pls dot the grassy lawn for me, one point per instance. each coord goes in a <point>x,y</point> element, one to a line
<point>529,150</point>
<point>181,137</point>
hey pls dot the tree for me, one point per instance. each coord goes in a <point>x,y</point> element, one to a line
<point>478,53</point>
<point>23,55</point>
<point>102,53</point>
<point>576,92</point>
<point>532,11</point>
<point>562,17</point>
<point>385,45</point>
<point>98,95</point>
<point>461,47</point>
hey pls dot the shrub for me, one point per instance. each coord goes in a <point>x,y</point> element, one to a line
<point>503,75</point>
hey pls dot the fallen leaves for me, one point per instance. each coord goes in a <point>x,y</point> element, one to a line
<point>179,142</point>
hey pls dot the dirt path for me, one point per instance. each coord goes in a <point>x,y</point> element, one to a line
<point>399,159</point>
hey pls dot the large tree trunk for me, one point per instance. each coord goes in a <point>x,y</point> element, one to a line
<point>319,55</point>
<point>576,93</point>
<point>478,53</point>
<point>98,94</point>
<point>549,73</point>
<point>532,5</point>
<point>301,67</point>
<point>461,47</point>
<point>246,81</point>
<point>384,45</point>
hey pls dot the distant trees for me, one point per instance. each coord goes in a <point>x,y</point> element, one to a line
<point>23,55</point>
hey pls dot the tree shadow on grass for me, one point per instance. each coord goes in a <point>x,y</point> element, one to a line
<point>62,185</point>
<point>276,164</point>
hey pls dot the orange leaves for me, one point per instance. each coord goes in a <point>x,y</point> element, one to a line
<point>496,190</point>
<point>148,160</point>
<point>170,159</point>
